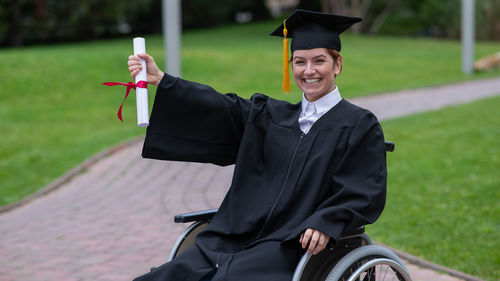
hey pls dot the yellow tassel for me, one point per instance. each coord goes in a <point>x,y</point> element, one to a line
<point>286,75</point>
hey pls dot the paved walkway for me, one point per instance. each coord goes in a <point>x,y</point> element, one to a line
<point>114,221</point>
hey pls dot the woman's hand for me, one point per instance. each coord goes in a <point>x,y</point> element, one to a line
<point>154,74</point>
<point>316,239</point>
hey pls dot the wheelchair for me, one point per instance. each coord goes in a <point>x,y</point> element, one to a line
<point>352,258</point>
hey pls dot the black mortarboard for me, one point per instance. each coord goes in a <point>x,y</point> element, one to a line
<point>310,30</point>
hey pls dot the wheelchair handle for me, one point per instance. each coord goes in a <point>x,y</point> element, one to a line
<point>389,146</point>
<point>204,215</point>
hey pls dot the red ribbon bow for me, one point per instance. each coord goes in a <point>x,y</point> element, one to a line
<point>130,85</point>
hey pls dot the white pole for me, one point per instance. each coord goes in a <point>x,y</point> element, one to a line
<point>468,28</point>
<point>171,18</point>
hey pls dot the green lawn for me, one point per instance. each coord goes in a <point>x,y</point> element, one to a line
<point>444,187</point>
<point>54,114</point>
<point>245,60</point>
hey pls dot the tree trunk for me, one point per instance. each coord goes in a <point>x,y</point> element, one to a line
<point>15,33</point>
<point>355,6</point>
<point>363,8</point>
<point>379,20</point>
<point>325,6</point>
<point>339,7</point>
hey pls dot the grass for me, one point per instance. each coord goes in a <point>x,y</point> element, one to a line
<point>444,188</point>
<point>55,114</point>
<point>243,59</point>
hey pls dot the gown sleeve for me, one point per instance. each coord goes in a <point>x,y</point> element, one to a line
<point>358,183</point>
<point>193,122</point>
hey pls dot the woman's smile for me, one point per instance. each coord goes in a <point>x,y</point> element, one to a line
<point>312,81</point>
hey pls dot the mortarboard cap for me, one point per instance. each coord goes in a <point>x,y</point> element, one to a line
<point>310,30</point>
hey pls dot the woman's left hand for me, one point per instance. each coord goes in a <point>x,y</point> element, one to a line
<point>316,239</point>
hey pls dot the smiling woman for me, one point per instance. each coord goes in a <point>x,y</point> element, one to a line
<point>304,173</point>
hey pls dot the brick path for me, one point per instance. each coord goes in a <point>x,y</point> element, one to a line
<point>114,221</point>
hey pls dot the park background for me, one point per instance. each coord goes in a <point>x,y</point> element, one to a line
<point>443,176</point>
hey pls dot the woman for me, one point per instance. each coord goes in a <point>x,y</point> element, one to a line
<point>304,172</point>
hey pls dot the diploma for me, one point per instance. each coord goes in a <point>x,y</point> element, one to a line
<point>141,93</point>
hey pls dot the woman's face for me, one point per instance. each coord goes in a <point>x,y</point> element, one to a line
<point>314,72</point>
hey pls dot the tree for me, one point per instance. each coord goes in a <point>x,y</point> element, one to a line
<point>374,12</point>
<point>488,25</point>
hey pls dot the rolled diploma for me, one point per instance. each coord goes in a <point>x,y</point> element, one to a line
<point>141,93</point>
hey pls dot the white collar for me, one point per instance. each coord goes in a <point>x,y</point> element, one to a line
<point>325,103</point>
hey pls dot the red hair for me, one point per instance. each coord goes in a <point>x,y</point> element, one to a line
<point>335,55</point>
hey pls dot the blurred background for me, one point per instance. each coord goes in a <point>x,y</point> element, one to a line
<point>25,22</point>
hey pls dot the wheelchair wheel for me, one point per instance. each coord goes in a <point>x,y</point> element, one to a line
<point>369,263</point>
<point>317,267</point>
<point>366,239</point>
<point>187,238</point>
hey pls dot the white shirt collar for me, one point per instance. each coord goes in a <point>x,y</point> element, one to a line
<point>324,104</point>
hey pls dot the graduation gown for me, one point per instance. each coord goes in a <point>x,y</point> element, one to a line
<point>332,179</point>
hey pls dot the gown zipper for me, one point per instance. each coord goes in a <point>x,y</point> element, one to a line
<point>218,259</point>
<point>282,188</point>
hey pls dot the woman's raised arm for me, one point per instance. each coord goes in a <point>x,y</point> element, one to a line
<point>154,73</point>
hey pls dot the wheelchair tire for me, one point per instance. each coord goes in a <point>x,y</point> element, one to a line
<point>366,262</point>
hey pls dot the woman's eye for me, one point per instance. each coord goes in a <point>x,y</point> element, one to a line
<point>299,62</point>
<point>320,61</point>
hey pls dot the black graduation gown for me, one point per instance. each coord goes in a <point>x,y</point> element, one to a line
<point>332,179</point>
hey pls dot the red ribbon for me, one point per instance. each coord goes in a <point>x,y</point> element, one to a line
<point>130,85</point>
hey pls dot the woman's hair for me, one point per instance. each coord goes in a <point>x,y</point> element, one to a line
<point>335,55</point>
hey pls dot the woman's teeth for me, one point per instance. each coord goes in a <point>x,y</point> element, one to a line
<point>311,81</point>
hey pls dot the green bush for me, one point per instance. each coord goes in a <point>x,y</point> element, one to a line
<point>25,22</point>
<point>441,18</point>
<point>29,21</point>
<point>202,13</point>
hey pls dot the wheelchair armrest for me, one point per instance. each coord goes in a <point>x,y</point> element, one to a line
<point>389,146</point>
<point>205,215</point>
<point>354,232</point>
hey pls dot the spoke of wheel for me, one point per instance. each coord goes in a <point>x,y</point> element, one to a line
<point>368,275</point>
<point>385,273</point>
<point>381,261</point>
